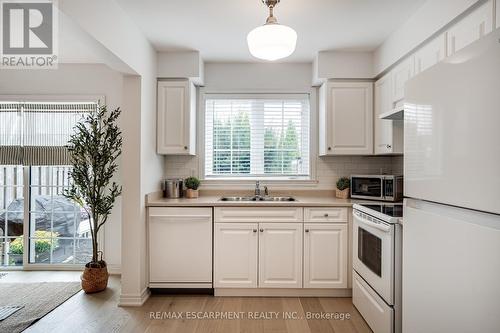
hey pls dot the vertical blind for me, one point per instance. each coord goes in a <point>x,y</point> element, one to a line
<point>37,133</point>
<point>257,136</point>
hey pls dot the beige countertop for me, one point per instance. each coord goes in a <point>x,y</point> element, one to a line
<point>212,199</point>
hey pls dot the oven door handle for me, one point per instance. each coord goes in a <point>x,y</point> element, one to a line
<point>379,226</point>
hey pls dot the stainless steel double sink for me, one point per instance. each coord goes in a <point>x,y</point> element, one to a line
<point>258,198</point>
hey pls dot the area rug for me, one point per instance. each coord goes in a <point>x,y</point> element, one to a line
<point>37,300</point>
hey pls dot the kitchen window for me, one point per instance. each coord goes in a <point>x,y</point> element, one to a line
<point>257,136</point>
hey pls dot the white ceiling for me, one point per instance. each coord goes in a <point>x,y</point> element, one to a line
<point>218,28</point>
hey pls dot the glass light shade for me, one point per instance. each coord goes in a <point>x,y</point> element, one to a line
<point>272,41</point>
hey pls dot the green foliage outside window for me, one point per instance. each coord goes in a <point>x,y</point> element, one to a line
<point>232,145</point>
<point>43,242</point>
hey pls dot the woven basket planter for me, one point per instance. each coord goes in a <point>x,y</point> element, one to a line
<point>95,279</point>
<point>344,194</point>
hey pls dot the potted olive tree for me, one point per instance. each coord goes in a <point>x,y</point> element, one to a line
<point>192,184</point>
<point>94,149</point>
<point>343,185</point>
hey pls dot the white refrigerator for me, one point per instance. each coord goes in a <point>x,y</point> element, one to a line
<point>451,228</point>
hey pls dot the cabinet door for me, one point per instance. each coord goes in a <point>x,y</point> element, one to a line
<point>347,125</point>
<point>280,255</point>
<point>180,245</point>
<point>383,128</point>
<point>430,54</point>
<point>471,28</point>
<point>176,118</point>
<point>236,255</point>
<point>325,255</point>
<point>400,75</point>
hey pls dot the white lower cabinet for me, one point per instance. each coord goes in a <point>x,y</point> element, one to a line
<point>236,255</point>
<point>280,255</point>
<point>252,254</point>
<point>272,249</point>
<point>325,255</point>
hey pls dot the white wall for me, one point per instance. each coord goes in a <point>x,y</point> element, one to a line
<point>181,64</point>
<point>76,80</point>
<point>342,65</point>
<point>428,20</point>
<point>270,77</point>
<point>108,23</point>
<point>285,77</point>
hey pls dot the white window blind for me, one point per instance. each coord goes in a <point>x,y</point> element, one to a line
<point>257,136</point>
<point>36,133</point>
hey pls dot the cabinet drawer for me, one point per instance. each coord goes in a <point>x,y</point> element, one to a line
<point>258,214</point>
<point>326,214</point>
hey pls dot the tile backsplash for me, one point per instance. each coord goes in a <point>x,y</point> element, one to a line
<point>328,169</point>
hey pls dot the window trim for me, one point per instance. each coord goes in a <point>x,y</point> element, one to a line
<point>239,182</point>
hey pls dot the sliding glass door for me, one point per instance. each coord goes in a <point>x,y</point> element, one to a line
<point>11,215</point>
<point>58,230</point>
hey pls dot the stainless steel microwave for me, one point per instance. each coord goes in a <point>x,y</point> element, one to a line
<point>377,187</point>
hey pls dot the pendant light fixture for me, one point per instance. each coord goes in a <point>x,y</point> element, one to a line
<point>272,41</point>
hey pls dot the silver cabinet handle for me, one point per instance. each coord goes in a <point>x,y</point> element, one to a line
<point>389,146</point>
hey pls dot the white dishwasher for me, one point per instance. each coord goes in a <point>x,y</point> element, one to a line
<point>180,247</point>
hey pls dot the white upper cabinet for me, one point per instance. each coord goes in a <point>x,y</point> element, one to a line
<point>477,24</point>
<point>388,133</point>
<point>236,255</point>
<point>325,255</point>
<point>400,75</point>
<point>346,118</point>
<point>176,130</point>
<point>280,255</point>
<point>430,54</point>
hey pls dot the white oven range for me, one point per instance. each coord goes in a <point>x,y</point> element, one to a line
<point>377,252</point>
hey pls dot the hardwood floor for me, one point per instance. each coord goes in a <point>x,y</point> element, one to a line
<point>100,313</point>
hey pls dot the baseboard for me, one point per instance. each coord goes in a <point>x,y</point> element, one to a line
<point>180,285</point>
<point>114,269</point>
<point>134,299</point>
<point>279,292</point>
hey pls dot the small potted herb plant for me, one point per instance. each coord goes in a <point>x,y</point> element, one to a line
<point>343,185</point>
<point>192,184</point>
